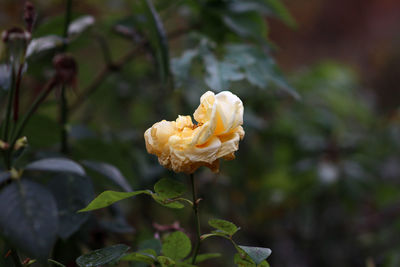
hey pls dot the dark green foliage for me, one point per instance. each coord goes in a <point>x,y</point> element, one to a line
<point>102,256</point>
<point>29,218</point>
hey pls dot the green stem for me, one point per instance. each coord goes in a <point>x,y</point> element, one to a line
<point>9,106</point>
<point>64,102</point>
<point>197,219</point>
<point>7,157</point>
<point>64,121</point>
<point>16,259</point>
<point>45,92</point>
<point>17,89</point>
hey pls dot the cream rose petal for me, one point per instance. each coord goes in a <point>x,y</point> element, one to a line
<point>229,110</point>
<point>183,147</point>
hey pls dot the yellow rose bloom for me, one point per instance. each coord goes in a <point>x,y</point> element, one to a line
<point>183,146</point>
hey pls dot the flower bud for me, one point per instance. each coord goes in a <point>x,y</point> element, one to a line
<point>66,69</point>
<point>29,16</point>
<point>16,41</point>
<point>20,143</point>
<point>15,174</point>
<point>4,145</point>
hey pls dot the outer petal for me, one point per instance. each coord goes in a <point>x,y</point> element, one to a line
<point>230,112</point>
<point>230,143</point>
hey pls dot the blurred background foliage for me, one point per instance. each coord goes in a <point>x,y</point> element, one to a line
<point>316,178</point>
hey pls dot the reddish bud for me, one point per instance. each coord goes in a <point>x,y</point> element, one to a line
<point>29,16</point>
<point>66,69</point>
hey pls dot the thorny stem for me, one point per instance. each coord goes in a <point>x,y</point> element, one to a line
<point>64,102</point>
<point>197,219</point>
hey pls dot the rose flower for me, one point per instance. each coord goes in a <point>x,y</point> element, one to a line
<point>183,146</point>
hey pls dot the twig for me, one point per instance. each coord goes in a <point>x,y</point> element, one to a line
<point>108,69</point>
<point>64,101</point>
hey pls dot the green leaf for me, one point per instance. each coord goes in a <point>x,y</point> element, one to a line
<point>72,193</point>
<point>267,7</point>
<point>220,74</point>
<point>147,256</point>
<point>154,244</point>
<point>168,188</point>
<point>257,254</point>
<point>158,39</point>
<point>108,198</point>
<point>223,226</point>
<point>176,246</point>
<point>243,261</point>
<point>165,261</point>
<point>29,218</point>
<point>102,256</point>
<point>259,68</point>
<point>281,12</point>
<point>248,24</point>
<point>180,66</point>
<point>109,171</point>
<point>56,165</point>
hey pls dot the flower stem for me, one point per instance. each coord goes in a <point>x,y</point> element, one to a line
<point>64,121</point>
<point>196,218</point>
<point>45,92</point>
<point>9,105</point>
<point>64,101</point>
<point>16,259</point>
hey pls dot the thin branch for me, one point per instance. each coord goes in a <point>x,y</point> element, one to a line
<point>108,69</point>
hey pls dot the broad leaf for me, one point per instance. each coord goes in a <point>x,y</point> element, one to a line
<point>29,218</point>
<point>172,204</point>
<point>249,24</point>
<point>56,165</point>
<point>176,246</point>
<point>258,67</point>
<point>154,244</point>
<point>257,254</point>
<point>220,74</point>
<point>180,67</point>
<point>102,256</point>
<point>72,193</point>
<point>168,188</point>
<point>42,44</point>
<point>109,171</point>
<point>108,198</point>
<point>223,226</point>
